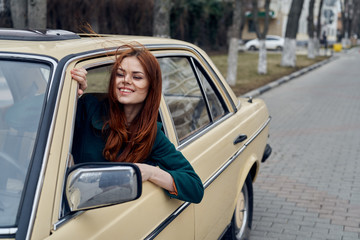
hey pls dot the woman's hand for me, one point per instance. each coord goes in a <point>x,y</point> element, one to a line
<point>157,176</point>
<point>79,75</point>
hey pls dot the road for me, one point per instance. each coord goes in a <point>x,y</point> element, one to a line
<point>310,186</point>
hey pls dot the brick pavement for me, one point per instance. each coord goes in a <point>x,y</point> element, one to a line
<point>309,188</point>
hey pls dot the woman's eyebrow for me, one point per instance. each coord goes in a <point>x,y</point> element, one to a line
<point>133,72</point>
<point>137,72</point>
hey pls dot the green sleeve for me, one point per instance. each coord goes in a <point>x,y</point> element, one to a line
<point>188,184</point>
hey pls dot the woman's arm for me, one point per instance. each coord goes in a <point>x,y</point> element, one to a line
<point>157,176</point>
<point>188,185</point>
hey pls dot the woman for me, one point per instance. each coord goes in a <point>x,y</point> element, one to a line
<point>124,127</point>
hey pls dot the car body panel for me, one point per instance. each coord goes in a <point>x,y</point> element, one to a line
<point>221,164</point>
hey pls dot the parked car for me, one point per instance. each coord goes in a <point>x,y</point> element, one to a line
<point>41,197</point>
<point>271,42</point>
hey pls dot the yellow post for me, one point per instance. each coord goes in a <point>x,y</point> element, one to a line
<point>337,47</point>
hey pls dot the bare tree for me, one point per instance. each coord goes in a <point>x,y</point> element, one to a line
<point>288,58</point>
<point>5,14</point>
<point>311,29</point>
<point>318,30</point>
<point>18,13</point>
<point>262,64</point>
<point>28,13</point>
<point>347,13</point>
<point>356,19</point>
<point>161,24</point>
<point>234,44</point>
<point>36,14</point>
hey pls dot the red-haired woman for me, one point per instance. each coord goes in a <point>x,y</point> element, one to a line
<point>124,127</point>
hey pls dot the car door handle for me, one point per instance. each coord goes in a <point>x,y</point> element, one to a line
<point>240,138</point>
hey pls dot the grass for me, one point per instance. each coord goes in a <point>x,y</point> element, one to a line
<point>247,77</point>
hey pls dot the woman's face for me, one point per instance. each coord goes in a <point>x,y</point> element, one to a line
<point>132,85</point>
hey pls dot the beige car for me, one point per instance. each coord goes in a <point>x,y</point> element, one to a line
<point>42,196</point>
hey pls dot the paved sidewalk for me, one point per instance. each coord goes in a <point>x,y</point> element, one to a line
<point>309,188</point>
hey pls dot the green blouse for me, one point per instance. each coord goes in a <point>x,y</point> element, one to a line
<point>89,142</point>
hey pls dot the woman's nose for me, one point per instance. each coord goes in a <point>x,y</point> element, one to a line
<point>127,79</point>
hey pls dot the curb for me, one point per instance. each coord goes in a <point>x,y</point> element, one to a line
<point>278,82</point>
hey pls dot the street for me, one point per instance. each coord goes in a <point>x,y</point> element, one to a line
<point>309,188</point>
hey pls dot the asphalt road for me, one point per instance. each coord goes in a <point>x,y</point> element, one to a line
<point>309,188</point>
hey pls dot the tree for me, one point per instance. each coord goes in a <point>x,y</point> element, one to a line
<point>288,58</point>
<point>347,13</point>
<point>311,29</point>
<point>356,19</point>
<point>18,13</point>
<point>234,44</point>
<point>28,13</point>
<point>318,30</point>
<point>262,64</point>
<point>161,24</point>
<point>36,14</point>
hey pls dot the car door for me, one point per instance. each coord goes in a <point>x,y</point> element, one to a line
<point>143,218</point>
<point>211,132</point>
<point>205,132</point>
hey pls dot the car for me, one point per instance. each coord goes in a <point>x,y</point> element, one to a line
<point>42,196</point>
<point>272,42</point>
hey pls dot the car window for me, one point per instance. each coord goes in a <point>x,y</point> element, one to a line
<point>22,92</point>
<point>98,78</point>
<point>216,105</point>
<point>191,100</point>
<point>270,39</point>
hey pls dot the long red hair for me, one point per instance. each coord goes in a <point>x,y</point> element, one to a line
<point>136,140</point>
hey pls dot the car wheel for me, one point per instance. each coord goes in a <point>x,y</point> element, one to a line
<point>252,48</point>
<point>242,219</point>
<point>279,48</point>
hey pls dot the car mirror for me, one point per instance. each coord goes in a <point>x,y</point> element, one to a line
<point>91,186</point>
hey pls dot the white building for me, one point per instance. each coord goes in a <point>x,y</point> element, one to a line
<point>280,10</point>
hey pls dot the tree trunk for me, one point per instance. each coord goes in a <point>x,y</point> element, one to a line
<point>234,44</point>
<point>36,14</point>
<point>262,64</point>
<point>18,13</point>
<point>356,19</point>
<point>318,30</point>
<point>311,48</point>
<point>161,24</point>
<point>310,19</point>
<point>288,58</point>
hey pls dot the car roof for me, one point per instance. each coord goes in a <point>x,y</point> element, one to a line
<point>60,43</point>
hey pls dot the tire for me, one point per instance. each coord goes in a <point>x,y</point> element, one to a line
<point>240,226</point>
<point>279,48</point>
<point>252,48</point>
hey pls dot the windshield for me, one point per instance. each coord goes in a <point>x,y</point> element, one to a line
<point>22,90</point>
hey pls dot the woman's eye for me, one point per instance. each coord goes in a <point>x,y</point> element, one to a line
<point>120,74</point>
<point>137,77</point>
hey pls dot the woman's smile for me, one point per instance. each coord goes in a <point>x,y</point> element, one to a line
<point>126,90</point>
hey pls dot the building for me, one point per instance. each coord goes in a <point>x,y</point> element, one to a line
<point>279,10</point>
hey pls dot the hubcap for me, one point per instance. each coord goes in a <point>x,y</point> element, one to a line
<point>241,213</point>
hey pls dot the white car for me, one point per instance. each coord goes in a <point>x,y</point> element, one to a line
<point>271,42</point>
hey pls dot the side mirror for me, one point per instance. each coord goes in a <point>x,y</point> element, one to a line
<point>97,185</point>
